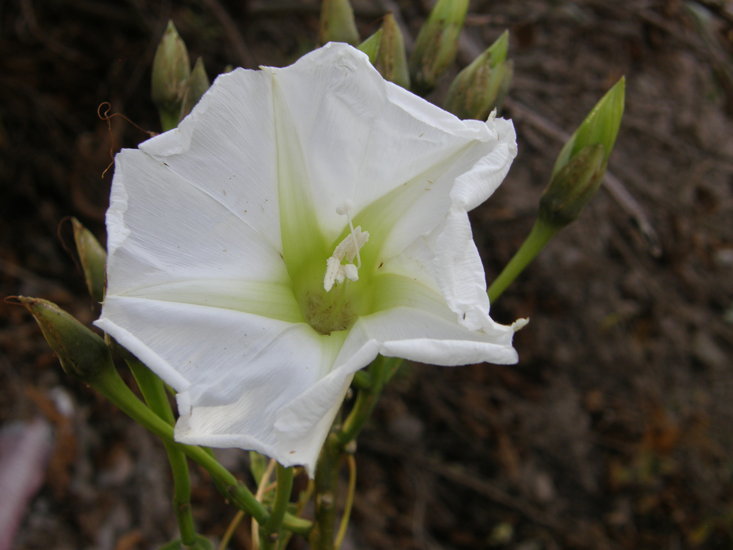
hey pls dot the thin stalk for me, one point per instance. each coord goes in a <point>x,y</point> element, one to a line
<point>109,383</point>
<point>381,370</point>
<point>236,520</point>
<point>272,527</point>
<point>304,498</point>
<point>538,237</point>
<point>155,396</point>
<point>351,462</point>
<point>262,488</point>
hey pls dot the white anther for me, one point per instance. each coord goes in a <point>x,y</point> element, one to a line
<point>347,250</point>
<point>351,272</point>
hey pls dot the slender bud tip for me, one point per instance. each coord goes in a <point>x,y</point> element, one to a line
<point>82,352</point>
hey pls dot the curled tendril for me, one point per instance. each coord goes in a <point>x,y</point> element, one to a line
<point>104,112</point>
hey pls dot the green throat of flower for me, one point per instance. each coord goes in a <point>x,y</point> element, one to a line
<point>332,292</point>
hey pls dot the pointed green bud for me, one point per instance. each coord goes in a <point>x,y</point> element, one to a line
<point>580,166</point>
<point>506,82</point>
<point>82,353</point>
<point>337,23</point>
<point>171,70</point>
<point>370,46</point>
<point>386,51</point>
<point>437,43</point>
<point>93,259</point>
<point>480,87</point>
<point>196,86</point>
<point>573,186</point>
<point>600,126</point>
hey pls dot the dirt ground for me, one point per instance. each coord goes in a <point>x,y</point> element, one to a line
<point>613,431</point>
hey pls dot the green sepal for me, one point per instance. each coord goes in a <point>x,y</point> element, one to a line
<point>599,127</point>
<point>386,51</point>
<point>437,43</point>
<point>337,23</point>
<point>370,46</point>
<point>482,85</point>
<point>82,353</point>
<point>572,187</point>
<point>169,78</point>
<point>93,259</point>
<point>196,87</point>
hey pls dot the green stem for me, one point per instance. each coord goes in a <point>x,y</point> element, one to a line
<point>155,396</point>
<point>538,237</point>
<point>380,371</point>
<point>109,383</point>
<point>270,530</point>
<point>326,484</point>
<point>327,470</point>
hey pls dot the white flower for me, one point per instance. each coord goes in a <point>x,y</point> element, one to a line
<point>298,223</point>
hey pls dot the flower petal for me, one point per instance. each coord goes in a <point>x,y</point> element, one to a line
<point>226,148</point>
<point>362,136</point>
<point>162,228</point>
<point>420,336</point>
<point>232,388</point>
<point>414,322</point>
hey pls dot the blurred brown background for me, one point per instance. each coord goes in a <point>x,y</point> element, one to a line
<point>614,431</point>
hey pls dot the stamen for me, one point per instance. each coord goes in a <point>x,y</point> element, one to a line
<point>346,250</point>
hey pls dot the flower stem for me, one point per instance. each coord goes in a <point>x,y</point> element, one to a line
<point>326,484</point>
<point>155,396</point>
<point>324,535</point>
<point>109,384</point>
<point>538,237</point>
<point>271,528</point>
<point>381,370</point>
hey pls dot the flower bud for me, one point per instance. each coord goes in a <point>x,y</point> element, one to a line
<point>386,51</point>
<point>196,86</point>
<point>171,70</point>
<point>93,259</point>
<point>580,166</point>
<point>437,42</point>
<point>572,186</point>
<point>82,352</point>
<point>481,86</point>
<point>600,126</point>
<point>337,23</point>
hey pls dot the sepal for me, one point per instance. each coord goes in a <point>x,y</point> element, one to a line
<point>480,88</point>
<point>93,259</point>
<point>82,353</point>
<point>170,75</point>
<point>437,43</point>
<point>386,51</point>
<point>337,22</point>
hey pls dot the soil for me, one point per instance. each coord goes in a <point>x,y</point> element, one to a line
<point>613,431</point>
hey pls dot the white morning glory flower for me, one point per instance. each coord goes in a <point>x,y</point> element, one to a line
<point>299,222</point>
